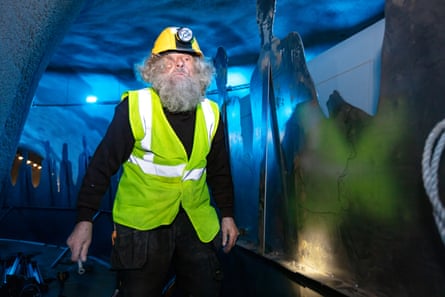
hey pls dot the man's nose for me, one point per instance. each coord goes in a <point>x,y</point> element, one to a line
<point>179,62</point>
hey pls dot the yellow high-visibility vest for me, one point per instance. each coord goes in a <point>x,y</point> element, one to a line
<point>159,177</point>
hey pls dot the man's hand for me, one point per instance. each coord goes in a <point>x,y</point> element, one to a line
<point>229,232</point>
<point>79,241</point>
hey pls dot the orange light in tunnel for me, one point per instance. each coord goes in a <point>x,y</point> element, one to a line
<point>34,161</point>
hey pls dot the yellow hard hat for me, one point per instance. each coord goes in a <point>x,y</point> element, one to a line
<point>176,39</point>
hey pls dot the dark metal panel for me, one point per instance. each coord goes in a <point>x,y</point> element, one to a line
<point>340,199</point>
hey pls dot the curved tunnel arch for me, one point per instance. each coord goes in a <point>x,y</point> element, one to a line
<point>30,32</point>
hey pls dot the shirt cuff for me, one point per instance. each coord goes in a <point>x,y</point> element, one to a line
<point>85,214</point>
<point>226,212</point>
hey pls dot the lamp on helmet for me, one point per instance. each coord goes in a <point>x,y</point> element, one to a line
<point>176,39</point>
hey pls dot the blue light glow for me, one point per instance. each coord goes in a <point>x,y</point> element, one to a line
<point>91,99</point>
<point>239,75</point>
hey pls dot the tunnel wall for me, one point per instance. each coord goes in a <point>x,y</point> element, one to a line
<point>30,32</point>
<point>338,193</point>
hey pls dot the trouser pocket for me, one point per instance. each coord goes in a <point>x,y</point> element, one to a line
<point>130,248</point>
<point>215,268</point>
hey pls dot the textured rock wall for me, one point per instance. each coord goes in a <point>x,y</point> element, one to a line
<point>29,33</point>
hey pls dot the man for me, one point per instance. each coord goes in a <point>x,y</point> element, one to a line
<point>170,142</point>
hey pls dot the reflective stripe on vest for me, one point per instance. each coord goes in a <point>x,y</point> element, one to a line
<point>146,162</point>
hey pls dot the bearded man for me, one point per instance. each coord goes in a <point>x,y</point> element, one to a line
<point>169,141</point>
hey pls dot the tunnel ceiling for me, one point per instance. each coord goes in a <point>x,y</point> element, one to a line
<point>111,36</point>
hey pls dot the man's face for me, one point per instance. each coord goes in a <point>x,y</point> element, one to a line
<point>179,65</point>
<point>177,82</point>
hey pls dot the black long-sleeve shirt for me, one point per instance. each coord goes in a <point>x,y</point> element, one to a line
<point>117,145</point>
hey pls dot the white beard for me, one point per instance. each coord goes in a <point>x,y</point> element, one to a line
<point>178,94</point>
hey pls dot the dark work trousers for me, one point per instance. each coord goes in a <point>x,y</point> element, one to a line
<point>144,261</point>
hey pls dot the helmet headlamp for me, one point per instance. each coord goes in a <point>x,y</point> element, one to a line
<point>184,34</point>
